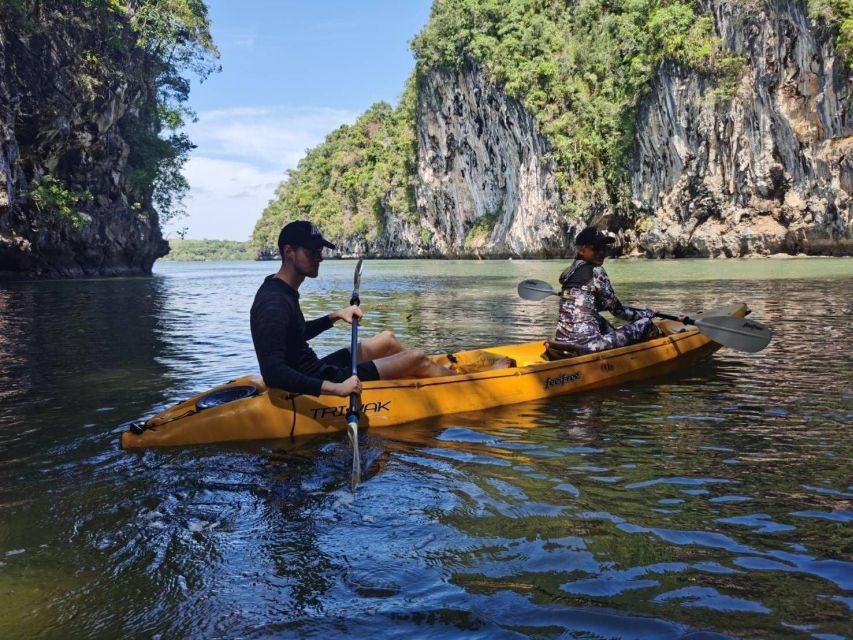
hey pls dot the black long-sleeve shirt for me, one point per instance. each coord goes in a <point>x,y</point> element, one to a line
<point>280,335</point>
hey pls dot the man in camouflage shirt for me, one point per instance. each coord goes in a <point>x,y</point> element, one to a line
<point>586,291</point>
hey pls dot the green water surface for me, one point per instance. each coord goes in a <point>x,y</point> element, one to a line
<point>716,501</point>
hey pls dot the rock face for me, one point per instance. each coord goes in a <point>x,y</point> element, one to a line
<point>484,185</point>
<point>768,170</point>
<point>52,124</point>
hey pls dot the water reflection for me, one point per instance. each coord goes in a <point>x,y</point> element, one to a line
<point>74,351</point>
<point>716,501</point>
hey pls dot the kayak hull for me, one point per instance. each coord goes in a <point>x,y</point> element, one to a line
<point>274,413</point>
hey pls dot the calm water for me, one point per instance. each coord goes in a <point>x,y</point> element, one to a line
<point>715,502</point>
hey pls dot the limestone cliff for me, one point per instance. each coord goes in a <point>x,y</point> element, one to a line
<point>80,150</point>
<point>768,170</point>
<point>484,183</point>
<point>739,148</point>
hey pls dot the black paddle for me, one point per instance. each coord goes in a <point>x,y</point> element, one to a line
<point>735,333</point>
<point>352,412</point>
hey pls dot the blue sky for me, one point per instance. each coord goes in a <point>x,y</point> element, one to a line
<point>291,73</point>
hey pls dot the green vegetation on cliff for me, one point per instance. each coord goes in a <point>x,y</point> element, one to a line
<point>49,194</point>
<point>208,250</point>
<point>347,184</point>
<point>581,68</point>
<point>838,14</point>
<point>109,55</point>
<point>175,37</point>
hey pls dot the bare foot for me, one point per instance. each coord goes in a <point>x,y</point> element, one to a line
<point>503,363</point>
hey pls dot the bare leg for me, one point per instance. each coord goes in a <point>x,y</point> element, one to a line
<point>411,363</point>
<point>379,346</point>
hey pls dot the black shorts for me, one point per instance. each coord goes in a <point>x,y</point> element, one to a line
<point>338,367</point>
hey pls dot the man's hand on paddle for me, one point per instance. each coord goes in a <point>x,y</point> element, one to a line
<point>343,389</point>
<point>346,314</point>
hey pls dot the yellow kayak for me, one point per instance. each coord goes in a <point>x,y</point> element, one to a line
<point>246,409</point>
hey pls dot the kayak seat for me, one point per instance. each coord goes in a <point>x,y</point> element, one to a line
<point>561,349</point>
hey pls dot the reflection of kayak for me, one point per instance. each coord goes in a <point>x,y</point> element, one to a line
<point>245,409</point>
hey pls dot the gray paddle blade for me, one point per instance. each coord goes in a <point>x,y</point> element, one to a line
<point>736,333</point>
<point>535,290</point>
<point>352,432</point>
<point>356,278</point>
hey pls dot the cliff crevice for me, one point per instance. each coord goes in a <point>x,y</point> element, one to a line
<point>485,185</point>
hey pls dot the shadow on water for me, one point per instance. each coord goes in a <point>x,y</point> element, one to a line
<point>713,501</point>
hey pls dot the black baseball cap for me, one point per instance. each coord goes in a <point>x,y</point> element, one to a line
<point>302,233</point>
<point>593,237</point>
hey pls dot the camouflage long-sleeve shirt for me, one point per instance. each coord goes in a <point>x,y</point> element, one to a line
<point>587,290</point>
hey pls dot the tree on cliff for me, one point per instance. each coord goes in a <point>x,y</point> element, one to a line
<point>95,98</point>
<point>348,184</point>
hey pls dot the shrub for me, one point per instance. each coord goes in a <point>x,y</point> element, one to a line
<point>51,195</point>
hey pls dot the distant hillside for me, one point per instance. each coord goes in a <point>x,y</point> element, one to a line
<point>208,250</point>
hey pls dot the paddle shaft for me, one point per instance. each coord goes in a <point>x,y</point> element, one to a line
<point>729,331</point>
<point>352,414</point>
<point>683,319</point>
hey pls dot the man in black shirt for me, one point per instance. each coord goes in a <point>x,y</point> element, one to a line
<point>280,333</point>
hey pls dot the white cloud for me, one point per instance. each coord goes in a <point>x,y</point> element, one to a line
<point>241,157</point>
<point>241,40</point>
<point>276,136</point>
<point>226,198</point>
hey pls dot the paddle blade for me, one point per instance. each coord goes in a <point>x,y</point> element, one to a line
<point>352,432</point>
<point>736,333</point>
<point>356,278</point>
<point>535,290</point>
